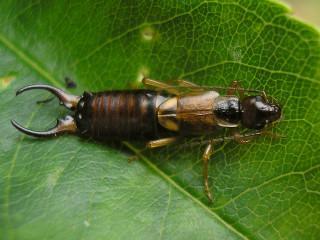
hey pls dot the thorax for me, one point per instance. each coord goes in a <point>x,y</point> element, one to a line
<point>193,113</point>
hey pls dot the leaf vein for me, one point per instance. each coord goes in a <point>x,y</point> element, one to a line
<point>312,80</point>
<point>184,192</point>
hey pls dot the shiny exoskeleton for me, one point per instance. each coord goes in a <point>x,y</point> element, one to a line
<point>164,113</point>
<point>119,114</point>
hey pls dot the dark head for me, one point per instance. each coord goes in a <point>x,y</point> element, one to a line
<point>256,112</point>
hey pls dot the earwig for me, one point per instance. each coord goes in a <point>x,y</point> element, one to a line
<point>163,114</point>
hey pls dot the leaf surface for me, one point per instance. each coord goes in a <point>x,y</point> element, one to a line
<point>72,188</point>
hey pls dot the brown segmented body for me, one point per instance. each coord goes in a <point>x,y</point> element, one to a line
<point>120,114</point>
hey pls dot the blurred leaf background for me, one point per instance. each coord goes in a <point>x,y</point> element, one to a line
<point>308,10</point>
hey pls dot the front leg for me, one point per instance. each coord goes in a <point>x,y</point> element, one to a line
<point>234,88</point>
<point>246,138</point>
<point>239,138</point>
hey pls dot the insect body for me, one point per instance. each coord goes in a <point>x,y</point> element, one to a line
<point>119,114</point>
<point>164,115</point>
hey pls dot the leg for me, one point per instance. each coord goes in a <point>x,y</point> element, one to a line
<point>160,85</point>
<point>154,144</point>
<point>241,138</point>
<point>161,142</point>
<point>272,135</point>
<point>235,87</point>
<point>206,157</point>
<point>246,138</point>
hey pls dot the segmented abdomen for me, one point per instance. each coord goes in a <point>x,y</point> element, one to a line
<point>118,114</point>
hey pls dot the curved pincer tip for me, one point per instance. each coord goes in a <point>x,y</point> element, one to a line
<point>63,125</point>
<point>19,91</point>
<point>66,125</point>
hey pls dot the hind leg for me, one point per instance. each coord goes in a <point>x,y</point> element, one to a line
<point>161,142</point>
<point>206,157</point>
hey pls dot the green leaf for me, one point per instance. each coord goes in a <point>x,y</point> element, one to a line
<point>73,188</point>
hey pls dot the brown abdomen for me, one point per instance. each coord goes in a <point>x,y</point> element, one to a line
<point>119,114</point>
